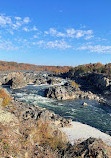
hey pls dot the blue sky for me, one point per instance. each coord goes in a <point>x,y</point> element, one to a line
<point>55,32</point>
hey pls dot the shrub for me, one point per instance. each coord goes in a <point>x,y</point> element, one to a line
<point>6,98</point>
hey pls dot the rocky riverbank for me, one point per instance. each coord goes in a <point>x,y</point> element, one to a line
<point>30,131</point>
<point>27,131</point>
<point>67,91</point>
<point>91,86</point>
<point>21,79</point>
<point>97,83</point>
<point>83,86</point>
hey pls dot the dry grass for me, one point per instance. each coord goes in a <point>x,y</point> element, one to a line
<point>6,98</point>
<point>49,136</point>
<point>46,135</point>
<point>9,144</point>
<point>28,138</point>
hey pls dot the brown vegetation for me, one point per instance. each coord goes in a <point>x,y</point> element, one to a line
<point>49,136</point>
<point>6,97</point>
<point>28,138</point>
<point>96,68</point>
<point>4,66</point>
<point>74,84</point>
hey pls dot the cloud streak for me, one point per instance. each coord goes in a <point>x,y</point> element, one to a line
<point>8,45</point>
<point>71,33</point>
<point>96,48</point>
<point>13,23</point>
<point>57,44</point>
<point>28,35</point>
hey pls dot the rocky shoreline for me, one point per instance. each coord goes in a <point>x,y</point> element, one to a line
<point>67,91</point>
<point>21,79</point>
<point>33,131</point>
<point>30,131</point>
<point>60,91</point>
<point>90,86</point>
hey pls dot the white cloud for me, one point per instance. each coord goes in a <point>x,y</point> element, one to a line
<point>39,43</point>
<point>88,37</point>
<point>57,44</point>
<point>79,34</point>
<point>26,20</point>
<point>96,48</point>
<point>7,45</point>
<point>14,23</point>
<point>18,18</point>
<point>60,34</point>
<point>34,28</point>
<point>57,39</point>
<point>85,34</point>
<point>71,33</point>
<point>4,20</point>
<point>54,32</point>
<point>61,44</point>
<point>26,29</point>
<point>35,36</point>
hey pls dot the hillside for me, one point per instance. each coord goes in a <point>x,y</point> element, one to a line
<point>4,66</point>
<point>95,67</point>
<point>91,68</point>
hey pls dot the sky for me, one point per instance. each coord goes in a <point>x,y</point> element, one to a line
<point>55,32</point>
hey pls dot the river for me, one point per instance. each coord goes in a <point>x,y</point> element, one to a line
<point>94,114</point>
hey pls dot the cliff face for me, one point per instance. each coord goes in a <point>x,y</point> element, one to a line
<point>100,81</point>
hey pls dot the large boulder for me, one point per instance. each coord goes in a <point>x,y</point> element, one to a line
<point>54,80</point>
<point>43,114</point>
<point>59,93</point>
<point>18,82</point>
<point>14,80</point>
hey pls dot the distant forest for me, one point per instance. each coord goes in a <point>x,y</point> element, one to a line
<point>10,66</point>
<point>97,68</point>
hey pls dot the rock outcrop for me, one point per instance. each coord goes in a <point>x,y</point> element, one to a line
<point>91,147</point>
<point>65,92</point>
<point>18,82</point>
<point>14,80</point>
<point>20,79</point>
<point>98,80</point>
<point>35,112</point>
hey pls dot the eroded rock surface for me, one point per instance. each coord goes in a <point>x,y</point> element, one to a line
<point>65,92</point>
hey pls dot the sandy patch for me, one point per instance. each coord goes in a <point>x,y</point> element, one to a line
<point>79,131</point>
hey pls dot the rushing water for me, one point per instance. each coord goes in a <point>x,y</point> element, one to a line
<point>94,114</point>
